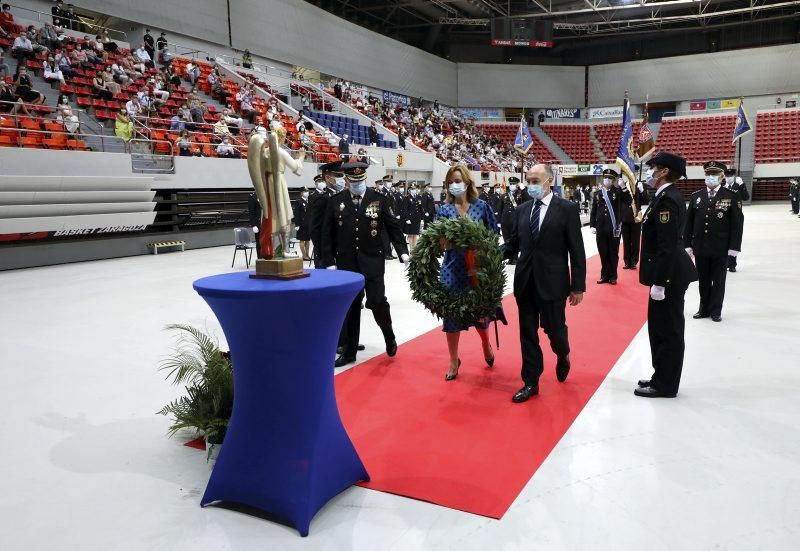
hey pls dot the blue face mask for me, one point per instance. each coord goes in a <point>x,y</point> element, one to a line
<point>338,185</point>
<point>358,188</point>
<point>457,189</point>
<point>536,191</point>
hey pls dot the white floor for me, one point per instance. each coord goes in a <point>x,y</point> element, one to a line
<point>85,464</point>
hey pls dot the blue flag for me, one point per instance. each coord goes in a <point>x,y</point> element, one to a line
<point>742,124</point>
<point>625,150</point>
<point>524,140</point>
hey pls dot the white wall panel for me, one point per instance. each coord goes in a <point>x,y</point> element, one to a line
<point>487,85</point>
<point>297,32</point>
<point>757,71</point>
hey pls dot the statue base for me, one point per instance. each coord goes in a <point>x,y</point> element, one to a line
<point>279,268</point>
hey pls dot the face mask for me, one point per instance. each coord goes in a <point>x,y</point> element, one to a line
<point>320,186</point>
<point>305,196</point>
<point>607,182</point>
<point>536,191</point>
<point>388,185</point>
<point>712,181</point>
<point>358,188</point>
<point>457,189</point>
<point>338,185</point>
<point>649,179</point>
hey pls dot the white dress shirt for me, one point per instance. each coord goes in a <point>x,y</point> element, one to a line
<point>543,208</point>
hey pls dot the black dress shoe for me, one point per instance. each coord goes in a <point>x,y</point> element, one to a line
<point>602,280</point>
<point>340,349</point>
<point>732,269</point>
<point>525,393</point>
<point>627,267</point>
<point>700,315</point>
<point>643,383</point>
<point>344,360</point>
<point>650,392</point>
<point>716,318</point>
<point>391,348</point>
<point>562,368</point>
<point>612,281</point>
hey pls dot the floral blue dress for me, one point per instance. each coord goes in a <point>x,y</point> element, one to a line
<point>453,273</point>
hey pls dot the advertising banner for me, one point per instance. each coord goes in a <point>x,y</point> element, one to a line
<point>394,98</point>
<point>697,106</point>
<point>730,103</point>
<point>481,113</point>
<point>559,113</point>
<point>605,112</point>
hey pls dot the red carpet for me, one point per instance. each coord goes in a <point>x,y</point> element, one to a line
<point>463,444</point>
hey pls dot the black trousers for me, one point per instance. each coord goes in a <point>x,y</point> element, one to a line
<point>534,312</point>
<point>795,206</point>
<point>375,291</point>
<point>631,235</point>
<point>711,273</point>
<point>608,248</point>
<point>665,326</point>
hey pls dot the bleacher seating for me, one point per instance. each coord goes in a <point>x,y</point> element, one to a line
<point>339,125</point>
<point>574,139</point>
<point>608,134</point>
<point>699,138</point>
<point>507,133</point>
<point>778,136</point>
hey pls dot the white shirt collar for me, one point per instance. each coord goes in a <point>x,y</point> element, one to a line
<point>662,188</point>
<point>546,199</point>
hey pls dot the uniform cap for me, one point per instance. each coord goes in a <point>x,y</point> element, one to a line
<point>611,173</point>
<point>715,165</point>
<point>319,178</point>
<point>676,163</point>
<point>514,180</point>
<point>334,167</point>
<point>355,172</point>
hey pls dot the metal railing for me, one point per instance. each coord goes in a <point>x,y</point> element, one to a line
<point>93,27</point>
<point>68,136</point>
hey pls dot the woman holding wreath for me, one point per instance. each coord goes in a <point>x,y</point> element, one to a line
<point>461,200</point>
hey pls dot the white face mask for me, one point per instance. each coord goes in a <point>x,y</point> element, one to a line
<point>457,189</point>
<point>608,182</point>
<point>712,181</point>
<point>320,186</point>
<point>358,188</point>
<point>338,185</point>
<point>649,179</point>
<point>413,192</point>
<point>388,185</point>
<point>536,191</point>
<point>305,195</point>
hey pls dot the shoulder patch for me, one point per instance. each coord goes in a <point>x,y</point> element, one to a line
<point>663,216</point>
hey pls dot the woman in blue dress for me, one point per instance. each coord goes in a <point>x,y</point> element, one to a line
<point>462,200</point>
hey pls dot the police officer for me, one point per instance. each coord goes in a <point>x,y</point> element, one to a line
<point>430,205</point>
<point>301,226</point>
<point>632,229</point>
<point>736,184</point>
<point>484,194</point>
<point>351,241</point>
<point>494,200</point>
<point>606,223</point>
<point>413,215</point>
<point>508,206</point>
<point>667,269</point>
<point>713,233</point>
<point>328,182</point>
<point>794,195</point>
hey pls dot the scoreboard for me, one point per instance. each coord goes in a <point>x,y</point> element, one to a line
<point>529,33</point>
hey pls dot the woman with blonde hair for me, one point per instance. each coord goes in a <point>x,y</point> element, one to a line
<point>461,200</point>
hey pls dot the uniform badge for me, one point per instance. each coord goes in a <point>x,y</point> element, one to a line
<point>698,201</point>
<point>720,215</point>
<point>663,216</point>
<point>341,207</point>
<point>374,224</point>
<point>340,222</point>
<point>373,233</point>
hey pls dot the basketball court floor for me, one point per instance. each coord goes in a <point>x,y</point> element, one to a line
<point>86,464</point>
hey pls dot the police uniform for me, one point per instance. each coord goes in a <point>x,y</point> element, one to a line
<point>713,229</point>
<point>632,230</point>
<point>494,200</point>
<point>317,204</point>
<point>606,220</point>
<point>430,205</point>
<point>794,195</point>
<point>736,185</point>
<point>666,268</point>
<point>413,212</point>
<point>508,206</point>
<point>484,194</point>
<point>351,240</point>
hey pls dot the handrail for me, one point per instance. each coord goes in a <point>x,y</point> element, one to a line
<point>257,67</point>
<point>73,135</point>
<point>50,17</point>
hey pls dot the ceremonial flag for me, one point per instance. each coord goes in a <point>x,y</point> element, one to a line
<point>742,124</point>
<point>625,150</point>
<point>524,140</point>
<point>646,145</point>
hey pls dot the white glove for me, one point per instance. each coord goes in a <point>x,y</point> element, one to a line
<point>331,267</point>
<point>297,228</point>
<point>408,221</point>
<point>689,251</point>
<point>255,229</point>
<point>640,187</point>
<point>405,260</point>
<point>733,253</point>
<point>594,230</point>
<point>657,292</point>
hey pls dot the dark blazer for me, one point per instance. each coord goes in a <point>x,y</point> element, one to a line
<point>638,200</point>
<point>599,217</point>
<point>300,212</point>
<point>351,239</point>
<point>713,227</point>
<point>664,261</point>
<point>557,250</point>
<point>317,203</point>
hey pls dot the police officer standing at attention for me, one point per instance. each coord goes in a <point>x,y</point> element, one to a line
<point>484,194</point>
<point>606,222</point>
<point>413,215</point>
<point>332,177</point>
<point>713,233</point>
<point>351,241</point>
<point>632,229</point>
<point>667,269</point>
<point>494,200</point>
<point>508,206</point>
<point>794,195</point>
<point>736,185</point>
<point>430,205</point>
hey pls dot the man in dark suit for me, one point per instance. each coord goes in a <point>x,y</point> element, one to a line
<point>547,231</point>
<point>713,233</point>
<point>736,185</point>
<point>667,269</point>
<point>351,240</point>
<point>606,223</point>
<point>508,208</point>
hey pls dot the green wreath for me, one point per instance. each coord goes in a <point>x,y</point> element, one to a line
<point>474,302</point>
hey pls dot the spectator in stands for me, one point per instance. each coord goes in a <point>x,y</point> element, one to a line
<point>7,19</point>
<point>146,101</point>
<point>247,59</point>
<point>100,88</point>
<point>22,49</point>
<point>98,49</point>
<point>299,123</point>
<point>160,93</point>
<point>221,129</point>
<point>4,34</point>
<point>111,84</point>
<point>373,134</point>
<point>148,44</point>
<point>9,103</point>
<point>192,72</point>
<point>163,49</point>
<point>57,11</point>
<point>134,108</point>
<point>4,70</point>
<point>259,129</point>
<point>337,90</point>
<point>70,120</point>
<point>401,138</point>
<point>218,89</point>
<point>49,37</point>
<point>24,88</point>
<point>134,66</point>
<point>234,123</point>
<point>70,17</point>
<point>361,157</point>
<point>197,108</point>
<point>64,65</point>
<point>143,55</point>
<point>63,99</point>
<point>58,28</point>
<point>94,55</point>
<point>123,125</point>
<point>119,74</point>
<point>185,116</point>
<point>305,101</point>
<point>80,58</point>
<point>226,150</point>
<point>184,144</point>
<point>108,44</point>
<point>51,71</point>
<point>173,80</point>
<point>344,146</point>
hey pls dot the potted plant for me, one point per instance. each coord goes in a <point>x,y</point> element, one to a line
<point>207,373</point>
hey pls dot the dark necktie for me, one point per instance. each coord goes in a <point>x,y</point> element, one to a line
<point>357,201</point>
<point>537,209</point>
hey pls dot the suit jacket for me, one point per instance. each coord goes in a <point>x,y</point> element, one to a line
<point>740,189</point>
<point>664,261</point>
<point>555,262</point>
<point>714,226</point>
<point>599,217</point>
<point>315,213</point>
<point>351,238</point>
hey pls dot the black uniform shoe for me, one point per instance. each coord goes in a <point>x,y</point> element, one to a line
<point>643,383</point>
<point>732,269</point>
<point>562,368</point>
<point>340,349</point>
<point>650,392</point>
<point>700,315</point>
<point>612,281</point>
<point>627,267</point>
<point>391,348</point>
<point>344,360</point>
<point>600,281</point>
<point>525,393</point>
<point>716,318</point>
